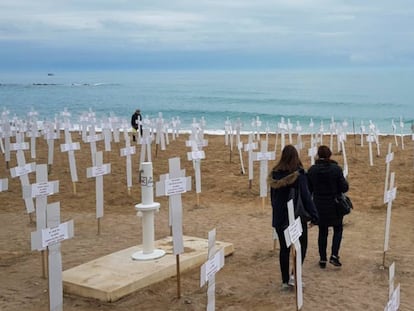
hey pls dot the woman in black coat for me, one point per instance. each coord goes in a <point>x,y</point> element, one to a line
<point>288,174</point>
<point>326,182</point>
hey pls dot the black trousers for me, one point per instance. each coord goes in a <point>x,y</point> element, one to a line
<point>323,240</point>
<point>284,254</point>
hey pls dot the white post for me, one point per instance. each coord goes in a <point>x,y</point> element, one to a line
<point>92,138</point>
<point>402,133</point>
<point>209,269</point>
<point>292,235</point>
<point>196,155</point>
<point>127,152</point>
<point>263,156</point>
<point>249,147</point>
<point>146,209</point>
<point>98,171</point>
<point>70,148</point>
<point>393,303</point>
<point>388,159</point>
<point>391,195</point>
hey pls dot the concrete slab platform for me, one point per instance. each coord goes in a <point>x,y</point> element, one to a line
<point>116,275</point>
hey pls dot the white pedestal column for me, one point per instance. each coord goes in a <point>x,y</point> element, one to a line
<point>146,209</point>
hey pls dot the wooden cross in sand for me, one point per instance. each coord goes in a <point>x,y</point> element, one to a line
<point>107,134</point>
<point>50,135</point>
<point>6,134</point>
<point>33,132</point>
<point>391,195</point>
<point>264,156</point>
<point>40,191</point>
<point>393,303</point>
<point>388,160</point>
<point>249,147</point>
<point>92,138</point>
<point>173,185</point>
<point>22,170</point>
<point>238,126</point>
<point>209,269</point>
<point>127,152</point>
<point>70,148</point>
<point>98,171</point>
<point>145,142</point>
<point>50,238</point>
<point>292,235</point>
<point>196,155</point>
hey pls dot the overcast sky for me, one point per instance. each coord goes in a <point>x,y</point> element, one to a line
<point>205,34</point>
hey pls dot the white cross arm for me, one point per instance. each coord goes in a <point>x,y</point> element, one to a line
<point>52,135</point>
<point>93,138</point>
<point>312,151</point>
<point>196,155</point>
<point>173,186</point>
<point>69,147</point>
<point>261,156</point>
<point>293,232</point>
<point>49,236</point>
<point>41,189</point>
<point>389,157</point>
<point>4,184</point>
<point>23,170</point>
<point>211,267</point>
<point>251,146</point>
<point>391,195</point>
<point>96,171</point>
<point>128,151</point>
<point>19,146</point>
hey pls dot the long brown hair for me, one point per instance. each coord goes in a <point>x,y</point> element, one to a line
<point>289,161</point>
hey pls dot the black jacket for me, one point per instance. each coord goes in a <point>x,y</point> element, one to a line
<point>326,181</point>
<point>281,183</point>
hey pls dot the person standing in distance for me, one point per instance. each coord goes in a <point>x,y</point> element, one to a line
<point>287,175</point>
<point>136,123</point>
<point>326,181</point>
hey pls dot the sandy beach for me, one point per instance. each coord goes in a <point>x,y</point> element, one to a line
<point>250,279</point>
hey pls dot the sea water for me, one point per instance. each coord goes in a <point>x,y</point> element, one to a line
<point>310,98</point>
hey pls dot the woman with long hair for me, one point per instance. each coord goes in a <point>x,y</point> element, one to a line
<point>287,175</point>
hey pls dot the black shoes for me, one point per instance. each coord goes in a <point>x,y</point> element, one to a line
<point>322,264</point>
<point>335,261</point>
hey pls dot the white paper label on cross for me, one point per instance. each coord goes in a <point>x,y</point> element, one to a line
<point>294,232</point>
<point>312,151</point>
<point>69,147</point>
<point>128,151</point>
<point>389,157</point>
<point>175,186</point>
<point>101,170</point>
<point>43,189</point>
<point>55,235</point>
<point>261,156</point>
<point>19,146</point>
<point>214,264</point>
<point>93,138</point>
<point>391,195</point>
<point>197,155</point>
<point>23,170</point>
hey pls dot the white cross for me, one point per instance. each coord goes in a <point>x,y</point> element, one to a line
<point>196,155</point>
<point>33,133</point>
<point>393,303</point>
<point>22,170</point>
<point>145,142</point>
<point>264,156</point>
<point>391,195</point>
<point>388,159</point>
<point>249,147</point>
<point>98,171</point>
<point>70,148</point>
<point>173,185</point>
<point>50,238</point>
<point>127,152</point>
<point>209,269</point>
<point>92,139</point>
<point>107,134</point>
<point>50,135</point>
<point>292,235</point>
<point>4,184</point>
